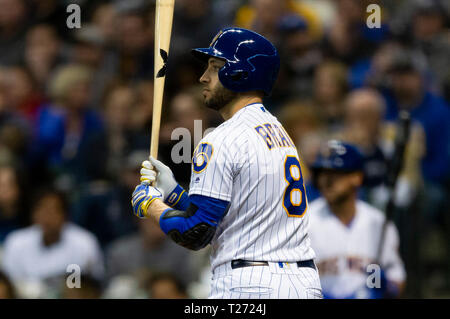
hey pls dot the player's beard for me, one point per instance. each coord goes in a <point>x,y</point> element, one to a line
<point>220,97</point>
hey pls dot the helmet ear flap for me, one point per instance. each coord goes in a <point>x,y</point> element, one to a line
<point>234,80</point>
<point>239,75</point>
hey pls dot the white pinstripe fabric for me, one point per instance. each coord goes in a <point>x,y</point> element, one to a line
<point>271,282</point>
<point>244,171</point>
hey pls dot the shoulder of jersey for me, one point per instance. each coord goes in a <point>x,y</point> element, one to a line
<point>370,211</point>
<point>22,237</point>
<point>237,129</point>
<point>227,132</point>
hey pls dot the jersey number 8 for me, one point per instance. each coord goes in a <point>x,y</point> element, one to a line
<point>294,197</point>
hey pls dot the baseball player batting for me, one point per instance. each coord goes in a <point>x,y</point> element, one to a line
<point>345,231</point>
<point>246,197</point>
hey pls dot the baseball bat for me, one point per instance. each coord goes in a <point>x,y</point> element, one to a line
<point>392,175</point>
<point>163,31</point>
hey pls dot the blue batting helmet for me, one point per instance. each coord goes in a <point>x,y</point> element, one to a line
<point>339,156</point>
<point>251,61</point>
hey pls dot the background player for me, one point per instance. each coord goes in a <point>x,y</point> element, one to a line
<point>246,194</point>
<point>345,231</point>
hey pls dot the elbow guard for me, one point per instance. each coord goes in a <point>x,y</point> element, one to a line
<point>191,229</point>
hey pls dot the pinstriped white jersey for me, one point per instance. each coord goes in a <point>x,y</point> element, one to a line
<point>250,161</point>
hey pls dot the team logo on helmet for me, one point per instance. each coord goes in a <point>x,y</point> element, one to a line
<point>215,38</point>
<point>340,156</point>
<point>333,147</point>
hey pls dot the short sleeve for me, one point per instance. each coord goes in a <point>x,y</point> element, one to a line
<point>215,163</point>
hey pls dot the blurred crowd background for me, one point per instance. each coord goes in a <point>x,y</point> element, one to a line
<point>76,112</point>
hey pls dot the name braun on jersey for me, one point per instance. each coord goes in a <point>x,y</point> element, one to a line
<point>272,139</point>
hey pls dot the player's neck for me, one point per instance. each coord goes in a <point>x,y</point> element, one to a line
<point>345,210</point>
<point>242,101</point>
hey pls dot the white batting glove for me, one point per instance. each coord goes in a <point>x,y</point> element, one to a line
<point>154,170</point>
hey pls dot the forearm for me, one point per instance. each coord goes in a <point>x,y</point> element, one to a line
<point>156,209</point>
<point>178,200</point>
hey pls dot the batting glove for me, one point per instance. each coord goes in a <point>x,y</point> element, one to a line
<point>142,198</point>
<point>174,195</point>
<point>155,170</point>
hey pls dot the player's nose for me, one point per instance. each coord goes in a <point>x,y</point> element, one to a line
<point>204,79</point>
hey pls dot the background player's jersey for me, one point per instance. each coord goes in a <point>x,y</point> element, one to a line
<point>344,252</point>
<point>250,161</point>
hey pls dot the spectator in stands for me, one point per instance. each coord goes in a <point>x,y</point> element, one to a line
<point>300,57</point>
<point>409,92</point>
<point>194,17</point>
<point>133,41</point>
<point>13,204</point>
<point>372,72</point>
<point>43,52</point>
<point>430,33</point>
<point>141,119</point>
<point>112,145</point>
<point>51,12</point>
<point>65,124</point>
<point>14,129</point>
<point>104,17</point>
<point>329,91</point>
<point>264,16</point>
<point>22,95</point>
<point>90,49</point>
<point>164,285</point>
<point>103,205</point>
<point>90,288</point>
<point>42,252</point>
<point>364,112</point>
<point>350,39</point>
<point>13,23</point>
